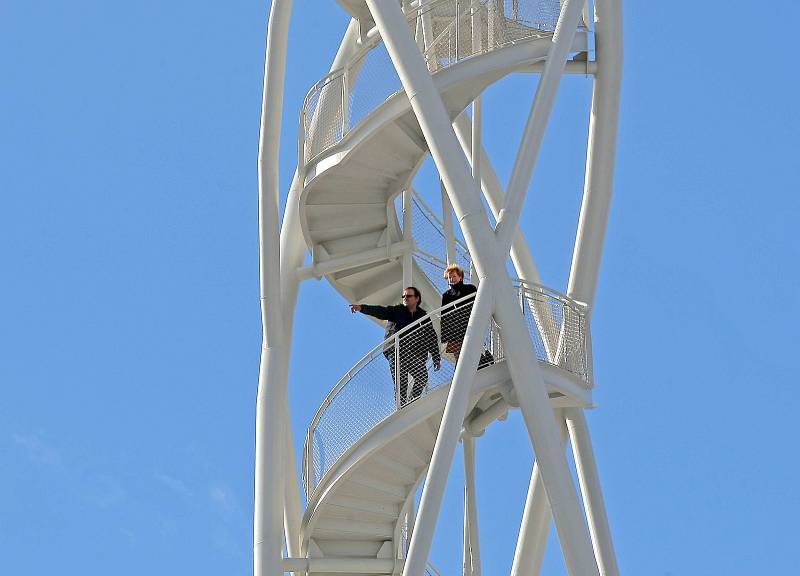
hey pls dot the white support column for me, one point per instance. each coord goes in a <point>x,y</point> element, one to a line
<point>268,537</point>
<point>452,420</point>
<point>537,121</point>
<point>292,253</point>
<point>535,527</point>
<point>293,249</point>
<point>589,479</point>
<point>584,272</point>
<point>408,236</point>
<point>466,564</point>
<point>477,141</point>
<point>526,374</point>
<point>268,530</point>
<point>532,539</point>
<point>447,219</point>
<point>473,552</point>
<point>600,155</point>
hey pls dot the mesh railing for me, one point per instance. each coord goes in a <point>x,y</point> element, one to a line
<point>404,368</point>
<point>447,32</point>
<point>430,244</point>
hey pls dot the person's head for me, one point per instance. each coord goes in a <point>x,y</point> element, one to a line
<point>412,298</point>
<point>454,274</point>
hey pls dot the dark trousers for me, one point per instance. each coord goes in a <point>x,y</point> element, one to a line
<point>409,365</point>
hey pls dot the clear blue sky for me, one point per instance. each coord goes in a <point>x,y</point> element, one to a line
<point>130,327</point>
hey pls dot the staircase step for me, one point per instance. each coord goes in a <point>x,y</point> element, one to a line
<point>334,547</point>
<point>372,489</point>
<point>353,530</point>
<point>383,465</point>
<point>332,510</point>
<point>384,509</point>
<point>408,454</point>
<point>338,247</point>
<point>328,234</point>
<point>364,216</point>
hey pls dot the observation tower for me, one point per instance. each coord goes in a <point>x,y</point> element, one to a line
<point>406,85</point>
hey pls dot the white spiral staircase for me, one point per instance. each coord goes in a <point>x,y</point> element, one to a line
<point>361,147</point>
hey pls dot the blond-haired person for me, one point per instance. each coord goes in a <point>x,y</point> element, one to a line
<point>456,317</point>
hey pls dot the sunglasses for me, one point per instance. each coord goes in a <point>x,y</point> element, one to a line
<point>409,296</point>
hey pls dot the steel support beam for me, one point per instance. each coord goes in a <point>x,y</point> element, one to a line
<point>533,532</point>
<point>600,155</point>
<point>539,115</point>
<point>281,253</point>
<point>408,237</point>
<point>268,529</point>
<point>589,479</point>
<point>472,552</point>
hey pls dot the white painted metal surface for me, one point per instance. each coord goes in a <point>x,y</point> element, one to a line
<point>367,455</point>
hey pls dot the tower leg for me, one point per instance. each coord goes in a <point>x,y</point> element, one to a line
<point>533,532</point>
<point>269,474</point>
<point>589,479</point>
<point>271,423</point>
<point>472,551</point>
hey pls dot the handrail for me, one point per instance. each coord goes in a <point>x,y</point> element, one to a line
<point>373,394</point>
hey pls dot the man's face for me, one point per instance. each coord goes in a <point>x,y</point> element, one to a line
<point>453,277</point>
<point>410,299</point>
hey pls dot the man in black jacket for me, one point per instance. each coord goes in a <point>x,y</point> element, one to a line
<point>414,345</point>
<point>456,317</point>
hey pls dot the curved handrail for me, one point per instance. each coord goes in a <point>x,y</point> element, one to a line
<point>449,31</point>
<point>366,394</point>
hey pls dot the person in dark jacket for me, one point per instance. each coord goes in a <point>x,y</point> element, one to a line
<point>414,345</point>
<point>455,318</point>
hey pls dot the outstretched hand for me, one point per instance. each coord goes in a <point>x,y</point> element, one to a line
<point>355,308</point>
<point>437,365</point>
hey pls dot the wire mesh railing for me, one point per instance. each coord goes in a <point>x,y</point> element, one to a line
<point>430,244</point>
<point>447,31</point>
<point>414,362</point>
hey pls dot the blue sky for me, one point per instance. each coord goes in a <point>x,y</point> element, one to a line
<point>130,328</point>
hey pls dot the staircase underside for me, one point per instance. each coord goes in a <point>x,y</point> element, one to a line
<point>359,505</point>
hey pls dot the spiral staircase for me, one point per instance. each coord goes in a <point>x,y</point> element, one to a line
<point>360,149</point>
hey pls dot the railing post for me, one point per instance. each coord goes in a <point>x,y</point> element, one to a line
<point>398,400</point>
<point>475,18</point>
<point>456,25</point>
<point>345,103</point>
<point>311,477</point>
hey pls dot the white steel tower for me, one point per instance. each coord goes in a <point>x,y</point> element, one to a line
<point>399,89</point>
